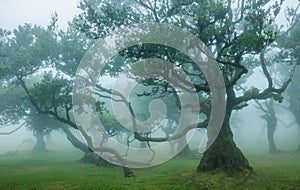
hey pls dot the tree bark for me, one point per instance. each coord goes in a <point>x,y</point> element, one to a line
<point>272,145</point>
<point>223,154</point>
<point>271,124</point>
<point>75,142</point>
<point>40,145</point>
<point>128,172</point>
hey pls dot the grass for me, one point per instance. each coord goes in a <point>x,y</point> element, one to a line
<point>60,170</point>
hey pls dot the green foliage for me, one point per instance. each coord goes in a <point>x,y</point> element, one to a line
<point>252,42</point>
<point>291,43</point>
<point>52,93</point>
<point>25,50</point>
<point>13,106</point>
<point>211,21</point>
<point>42,124</point>
<point>142,96</point>
<point>72,47</point>
<point>101,17</point>
<point>111,124</point>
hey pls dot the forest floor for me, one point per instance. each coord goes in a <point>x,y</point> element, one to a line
<point>61,170</point>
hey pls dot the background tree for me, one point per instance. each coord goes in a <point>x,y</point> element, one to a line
<point>32,49</point>
<point>26,52</point>
<point>41,125</point>
<point>291,48</point>
<point>294,100</point>
<point>269,115</point>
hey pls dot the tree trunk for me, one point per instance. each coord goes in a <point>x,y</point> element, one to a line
<point>271,124</point>
<point>40,145</point>
<point>128,172</point>
<point>75,142</point>
<point>295,108</point>
<point>272,146</point>
<point>223,154</point>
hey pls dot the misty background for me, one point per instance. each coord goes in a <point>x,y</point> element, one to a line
<point>250,131</point>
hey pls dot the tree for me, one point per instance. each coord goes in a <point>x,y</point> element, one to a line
<point>15,109</point>
<point>269,115</point>
<point>294,89</point>
<point>288,41</point>
<point>30,50</point>
<point>41,125</point>
<point>233,32</point>
<point>293,99</point>
<point>26,52</point>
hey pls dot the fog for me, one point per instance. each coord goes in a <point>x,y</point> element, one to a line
<point>16,12</point>
<point>49,108</point>
<point>25,141</point>
<point>250,132</point>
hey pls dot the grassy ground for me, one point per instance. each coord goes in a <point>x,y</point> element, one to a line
<point>62,171</point>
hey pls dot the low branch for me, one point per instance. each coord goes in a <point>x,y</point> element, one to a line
<point>268,92</point>
<point>139,137</point>
<point>11,132</point>
<point>45,112</point>
<point>101,149</point>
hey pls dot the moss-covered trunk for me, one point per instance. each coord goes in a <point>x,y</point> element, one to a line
<point>223,153</point>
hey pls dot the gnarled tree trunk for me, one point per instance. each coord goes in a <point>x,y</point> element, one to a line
<point>272,145</point>
<point>223,153</point>
<point>271,124</point>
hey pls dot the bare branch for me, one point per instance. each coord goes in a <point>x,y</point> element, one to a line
<point>242,13</point>
<point>295,20</point>
<point>268,92</point>
<point>11,132</point>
